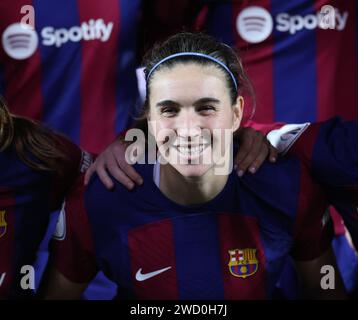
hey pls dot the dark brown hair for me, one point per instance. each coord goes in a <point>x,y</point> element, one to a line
<point>199,43</point>
<point>36,146</point>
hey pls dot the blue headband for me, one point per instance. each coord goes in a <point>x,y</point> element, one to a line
<point>195,54</point>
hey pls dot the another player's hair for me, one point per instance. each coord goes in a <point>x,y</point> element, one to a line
<point>36,146</point>
<point>207,46</point>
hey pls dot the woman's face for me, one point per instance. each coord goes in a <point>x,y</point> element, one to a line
<point>191,104</point>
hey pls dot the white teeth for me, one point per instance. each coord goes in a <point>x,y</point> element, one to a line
<point>193,151</point>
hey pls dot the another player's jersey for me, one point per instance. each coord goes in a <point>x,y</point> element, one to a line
<point>232,247</point>
<point>76,70</point>
<point>300,71</point>
<point>27,197</point>
<point>330,149</point>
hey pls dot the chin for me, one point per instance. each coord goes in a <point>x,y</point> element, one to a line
<point>192,170</point>
<point>190,165</point>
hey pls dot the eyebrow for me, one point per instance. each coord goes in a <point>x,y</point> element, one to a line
<point>206,100</point>
<point>201,101</point>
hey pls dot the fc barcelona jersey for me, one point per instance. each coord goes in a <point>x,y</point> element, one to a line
<point>27,197</point>
<point>232,247</point>
<point>76,70</point>
<point>300,56</point>
<point>330,150</point>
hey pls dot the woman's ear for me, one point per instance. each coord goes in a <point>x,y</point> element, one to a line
<point>238,109</point>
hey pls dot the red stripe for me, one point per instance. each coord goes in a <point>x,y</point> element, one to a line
<point>239,232</point>
<point>337,79</point>
<point>257,62</point>
<point>98,77</point>
<point>264,128</point>
<point>303,147</point>
<point>74,256</point>
<point>22,77</point>
<point>339,227</point>
<point>7,203</point>
<point>308,219</point>
<point>152,248</point>
<point>311,238</point>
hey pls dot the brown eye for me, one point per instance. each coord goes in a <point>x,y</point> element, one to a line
<point>207,109</point>
<point>168,111</point>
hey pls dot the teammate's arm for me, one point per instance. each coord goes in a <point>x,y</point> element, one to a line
<point>72,262</point>
<point>330,151</point>
<point>254,150</point>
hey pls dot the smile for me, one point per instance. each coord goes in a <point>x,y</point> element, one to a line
<point>191,151</point>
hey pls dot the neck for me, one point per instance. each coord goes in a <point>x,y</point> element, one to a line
<point>190,190</point>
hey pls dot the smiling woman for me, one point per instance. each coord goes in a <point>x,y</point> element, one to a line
<point>193,106</point>
<point>155,241</point>
<point>182,103</point>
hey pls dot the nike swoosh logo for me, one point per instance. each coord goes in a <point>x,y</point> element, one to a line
<point>144,276</point>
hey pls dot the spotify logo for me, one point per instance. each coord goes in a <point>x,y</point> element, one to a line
<point>19,41</point>
<point>254,24</point>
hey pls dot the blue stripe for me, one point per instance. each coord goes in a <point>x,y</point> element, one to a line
<point>294,66</point>
<point>287,173</point>
<point>43,252</point>
<point>123,276</point>
<point>61,68</point>
<point>220,24</point>
<point>127,95</point>
<point>31,222</point>
<point>197,256</point>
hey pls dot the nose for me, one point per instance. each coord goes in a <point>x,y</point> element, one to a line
<point>188,125</point>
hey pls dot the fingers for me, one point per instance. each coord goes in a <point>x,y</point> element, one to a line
<point>273,153</point>
<point>266,150</point>
<point>89,173</point>
<point>131,173</point>
<point>255,155</point>
<point>117,171</point>
<point>254,150</point>
<point>127,168</point>
<point>112,162</point>
<point>260,159</point>
<point>99,166</point>
<point>246,138</point>
<point>104,177</point>
<point>120,176</point>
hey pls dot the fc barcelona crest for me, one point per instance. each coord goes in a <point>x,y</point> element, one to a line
<point>243,262</point>
<point>3,223</point>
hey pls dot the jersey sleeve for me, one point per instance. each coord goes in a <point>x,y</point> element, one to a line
<point>281,136</point>
<point>313,227</point>
<point>72,252</point>
<point>264,128</point>
<point>77,161</point>
<point>330,151</point>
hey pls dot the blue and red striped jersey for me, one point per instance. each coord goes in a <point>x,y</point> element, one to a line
<point>232,247</point>
<point>27,197</point>
<point>301,72</point>
<point>330,150</point>
<point>76,70</point>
